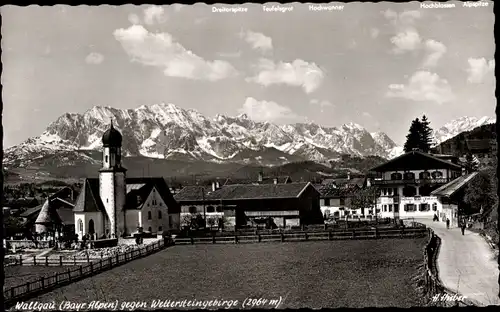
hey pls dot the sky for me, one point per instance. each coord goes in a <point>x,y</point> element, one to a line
<point>380,65</point>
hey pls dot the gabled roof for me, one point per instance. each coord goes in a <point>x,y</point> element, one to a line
<point>191,193</point>
<point>259,191</point>
<point>452,187</point>
<point>89,199</point>
<point>415,160</point>
<point>352,181</point>
<point>138,190</point>
<point>327,191</point>
<point>31,211</point>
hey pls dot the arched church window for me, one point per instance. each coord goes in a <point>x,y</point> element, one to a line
<point>434,207</point>
<point>106,159</point>
<point>150,229</point>
<point>149,215</point>
<point>80,225</point>
<point>159,214</point>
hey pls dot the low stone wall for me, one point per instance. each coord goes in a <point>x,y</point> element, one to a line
<point>27,244</point>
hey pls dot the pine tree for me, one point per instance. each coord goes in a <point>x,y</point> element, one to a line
<point>426,135</point>
<point>413,139</point>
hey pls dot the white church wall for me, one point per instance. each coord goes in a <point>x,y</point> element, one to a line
<point>106,191</point>
<point>83,227</point>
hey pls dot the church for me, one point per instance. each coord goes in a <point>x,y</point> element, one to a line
<point>114,206</point>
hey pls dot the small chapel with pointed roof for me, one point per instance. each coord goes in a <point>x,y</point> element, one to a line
<point>114,206</point>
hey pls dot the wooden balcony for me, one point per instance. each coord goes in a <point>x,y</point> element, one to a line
<point>411,181</point>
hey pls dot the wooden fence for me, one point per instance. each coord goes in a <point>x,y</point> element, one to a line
<point>373,233</point>
<point>55,260</point>
<point>433,284</point>
<point>44,284</point>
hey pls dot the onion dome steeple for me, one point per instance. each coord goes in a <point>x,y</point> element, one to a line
<point>112,137</point>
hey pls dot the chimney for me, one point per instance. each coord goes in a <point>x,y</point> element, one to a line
<point>275,180</point>
<point>213,187</point>
<point>261,176</point>
<point>348,175</point>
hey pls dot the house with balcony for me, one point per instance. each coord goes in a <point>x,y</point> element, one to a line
<point>406,184</point>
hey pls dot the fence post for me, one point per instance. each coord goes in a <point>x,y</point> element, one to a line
<point>213,238</point>
<point>307,236</point>
<point>69,274</point>
<point>28,287</point>
<point>43,282</point>
<point>330,235</point>
<point>88,257</point>
<point>326,226</point>
<point>60,260</point>
<point>353,233</point>
<point>235,239</point>
<point>20,259</point>
<point>34,260</point>
<point>57,278</point>
<point>192,240</point>
<point>91,268</point>
<point>117,258</point>
<point>12,292</point>
<point>100,264</point>
<point>46,260</point>
<point>260,238</point>
<point>81,270</point>
<point>376,233</point>
<point>74,259</point>
<point>110,263</point>
<point>282,237</point>
<point>101,255</point>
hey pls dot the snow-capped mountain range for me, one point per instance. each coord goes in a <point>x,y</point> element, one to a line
<point>167,131</point>
<point>459,125</point>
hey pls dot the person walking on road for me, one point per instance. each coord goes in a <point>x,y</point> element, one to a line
<point>447,223</point>
<point>463,227</point>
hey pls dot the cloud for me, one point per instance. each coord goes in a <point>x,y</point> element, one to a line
<point>154,14</point>
<point>322,104</point>
<point>435,51</point>
<point>94,58</point>
<point>160,50</point>
<point>423,86</point>
<point>258,41</point>
<point>374,32</point>
<point>299,73</point>
<point>408,40</point>
<point>479,68</point>
<point>134,19</point>
<point>265,110</point>
<point>229,54</point>
<point>367,115</point>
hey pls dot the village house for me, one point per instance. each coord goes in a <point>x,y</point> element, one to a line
<point>56,213</point>
<point>291,204</point>
<point>406,184</point>
<point>335,201</point>
<point>451,198</point>
<point>115,206</point>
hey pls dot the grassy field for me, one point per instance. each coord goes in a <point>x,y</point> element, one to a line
<point>375,273</point>
<point>21,274</point>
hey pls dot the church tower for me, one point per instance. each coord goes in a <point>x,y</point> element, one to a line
<point>112,187</point>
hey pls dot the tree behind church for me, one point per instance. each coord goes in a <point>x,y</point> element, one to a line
<point>425,135</point>
<point>413,138</point>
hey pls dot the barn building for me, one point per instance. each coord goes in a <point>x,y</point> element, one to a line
<point>291,204</point>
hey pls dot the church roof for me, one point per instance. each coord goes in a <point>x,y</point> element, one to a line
<point>112,138</point>
<point>415,160</point>
<point>89,199</point>
<point>48,215</point>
